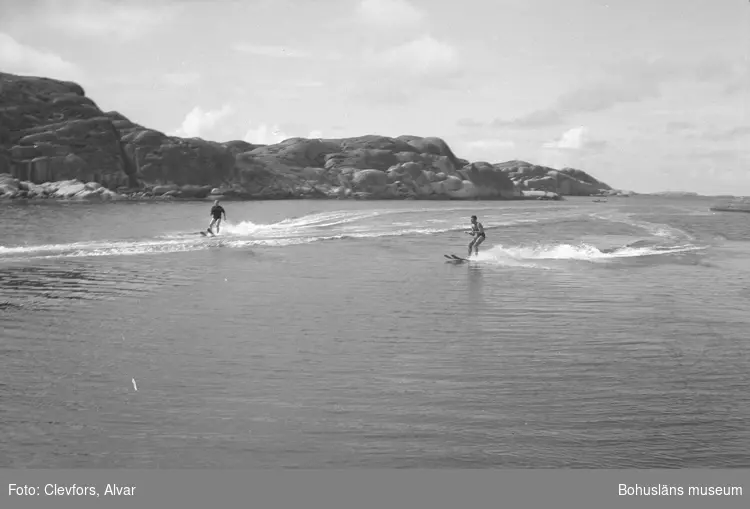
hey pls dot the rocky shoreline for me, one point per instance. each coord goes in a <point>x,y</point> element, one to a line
<point>55,143</point>
<point>12,189</point>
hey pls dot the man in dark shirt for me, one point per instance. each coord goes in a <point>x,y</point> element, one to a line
<point>216,213</point>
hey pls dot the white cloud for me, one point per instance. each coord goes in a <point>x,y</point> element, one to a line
<point>226,123</point>
<point>576,138</point>
<point>21,59</point>
<point>422,56</point>
<point>268,135</point>
<point>200,123</point>
<point>573,138</point>
<point>180,79</point>
<point>96,18</point>
<point>575,147</point>
<point>390,13</point>
<point>265,134</point>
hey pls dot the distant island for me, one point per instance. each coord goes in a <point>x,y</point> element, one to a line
<point>691,194</point>
<point>730,203</point>
<point>684,194</point>
<point>56,143</point>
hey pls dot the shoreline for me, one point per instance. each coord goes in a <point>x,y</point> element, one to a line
<point>208,199</point>
<point>14,190</point>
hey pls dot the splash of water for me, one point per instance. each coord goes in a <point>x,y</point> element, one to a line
<point>582,252</point>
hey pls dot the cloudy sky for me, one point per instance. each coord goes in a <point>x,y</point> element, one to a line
<point>648,95</point>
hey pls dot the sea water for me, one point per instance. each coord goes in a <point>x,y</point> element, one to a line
<point>333,334</point>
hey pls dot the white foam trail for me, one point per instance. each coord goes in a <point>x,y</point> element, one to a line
<point>335,217</point>
<point>197,244</point>
<point>582,252</point>
<point>244,228</point>
<point>298,224</point>
<point>91,247</point>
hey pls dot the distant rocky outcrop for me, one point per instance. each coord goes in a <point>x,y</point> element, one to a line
<point>567,182</point>
<point>734,204</point>
<point>65,189</point>
<point>55,142</point>
<point>676,194</point>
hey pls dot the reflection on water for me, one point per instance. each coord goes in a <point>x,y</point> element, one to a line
<point>475,284</point>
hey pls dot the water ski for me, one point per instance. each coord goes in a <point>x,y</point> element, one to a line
<point>205,234</point>
<point>456,258</point>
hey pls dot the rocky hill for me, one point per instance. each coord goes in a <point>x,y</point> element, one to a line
<point>56,142</point>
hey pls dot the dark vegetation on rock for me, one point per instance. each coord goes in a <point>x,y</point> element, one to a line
<point>56,143</point>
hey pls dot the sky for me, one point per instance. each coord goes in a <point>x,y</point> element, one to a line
<point>646,95</point>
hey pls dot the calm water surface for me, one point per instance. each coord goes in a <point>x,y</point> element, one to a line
<point>333,334</point>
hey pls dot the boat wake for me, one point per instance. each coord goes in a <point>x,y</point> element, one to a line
<point>370,224</point>
<point>317,227</point>
<point>582,252</point>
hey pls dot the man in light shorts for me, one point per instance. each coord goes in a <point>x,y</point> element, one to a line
<point>477,231</point>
